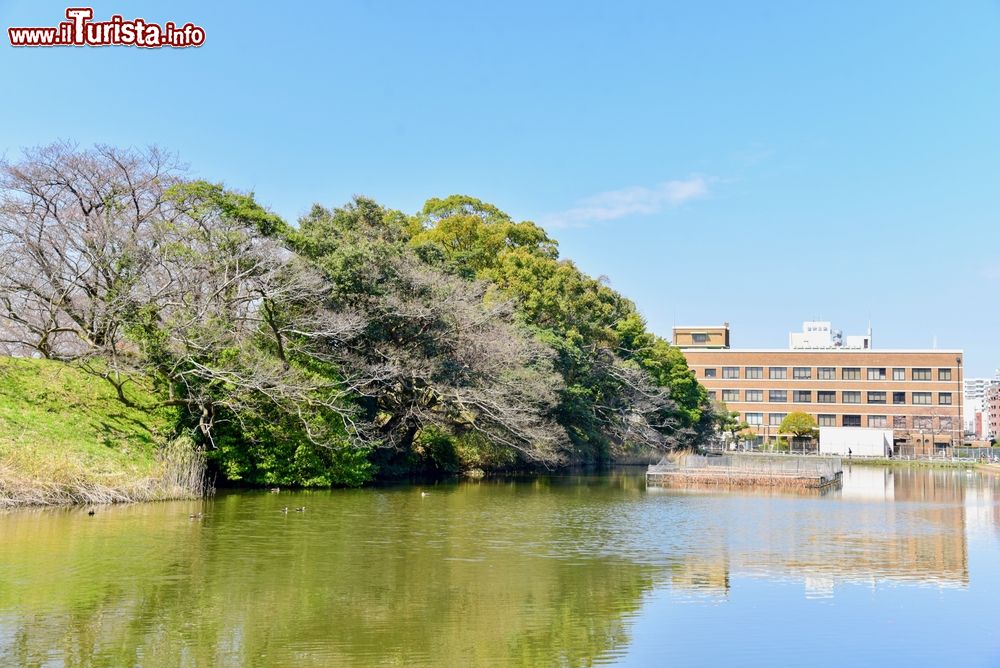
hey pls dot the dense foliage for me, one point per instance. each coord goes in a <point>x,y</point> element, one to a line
<point>361,341</point>
<point>798,424</point>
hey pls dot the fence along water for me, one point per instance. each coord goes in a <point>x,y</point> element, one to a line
<point>747,469</point>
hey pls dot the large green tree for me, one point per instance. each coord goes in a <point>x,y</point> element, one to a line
<point>623,385</point>
<point>798,424</point>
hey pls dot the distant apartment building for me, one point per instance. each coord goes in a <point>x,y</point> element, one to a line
<point>977,407</point>
<point>992,417</point>
<point>841,382</point>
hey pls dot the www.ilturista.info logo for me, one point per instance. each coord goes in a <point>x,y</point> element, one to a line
<point>79,30</point>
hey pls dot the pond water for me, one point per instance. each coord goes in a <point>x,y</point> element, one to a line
<point>900,567</point>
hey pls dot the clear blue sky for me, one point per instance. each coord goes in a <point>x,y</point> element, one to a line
<point>757,162</point>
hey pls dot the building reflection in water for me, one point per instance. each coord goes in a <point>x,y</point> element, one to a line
<point>892,525</point>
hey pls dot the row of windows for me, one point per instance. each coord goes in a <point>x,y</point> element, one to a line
<point>883,421</point>
<point>830,397</point>
<point>825,373</point>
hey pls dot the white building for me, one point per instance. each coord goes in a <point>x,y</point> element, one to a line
<point>820,335</point>
<point>860,441</point>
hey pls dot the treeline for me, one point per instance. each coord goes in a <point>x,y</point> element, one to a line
<point>361,341</point>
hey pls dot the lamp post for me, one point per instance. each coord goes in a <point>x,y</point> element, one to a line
<point>961,403</point>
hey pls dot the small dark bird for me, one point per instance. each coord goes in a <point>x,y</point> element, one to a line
<point>300,510</point>
<point>196,516</point>
<point>91,512</point>
<point>285,510</point>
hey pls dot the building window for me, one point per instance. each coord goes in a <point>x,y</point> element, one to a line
<point>775,419</point>
<point>876,397</point>
<point>876,374</point>
<point>711,395</point>
<point>755,419</point>
<point>699,338</point>
<point>709,373</point>
<point>921,374</point>
<point>754,372</point>
<point>851,374</point>
<point>730,395</point>
<point>945,422</point>
<point>777,373</point>
<point>802,373</point>
<point>826,373</point>
<point>878,421</point>
<point>944,398</point>
<point>802,396</point>
<point>777,396</point>
<point>755,395</point>
<point>944,374</point>
<point>852,420</point>
<point>899,374</point>
<point>826,397</point>
<point>851,397</point>
<point>922,422</point>
<point>899,398</point>
<point>899,422</point>
<point>827,420</point>
<point>730,372</point>
<point>922,398</point>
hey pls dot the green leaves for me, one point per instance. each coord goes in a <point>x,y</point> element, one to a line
<point>799,424</point>
<point>201,199</point>
<point>582,318</point>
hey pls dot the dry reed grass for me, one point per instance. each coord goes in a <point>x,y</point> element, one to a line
<point>178,473</point>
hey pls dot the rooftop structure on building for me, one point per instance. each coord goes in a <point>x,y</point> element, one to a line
<point>820,335</point>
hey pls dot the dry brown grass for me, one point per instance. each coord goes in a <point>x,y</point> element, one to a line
<point>178,473</point>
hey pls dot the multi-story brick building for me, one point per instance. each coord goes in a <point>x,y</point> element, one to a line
<point>916,393</point>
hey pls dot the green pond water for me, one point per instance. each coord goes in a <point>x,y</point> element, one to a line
<point>899,567</point>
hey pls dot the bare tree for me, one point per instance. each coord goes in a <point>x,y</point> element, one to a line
<point>637,412</point>
<point>113,261</point>
<point>76,237</point>
<point>434,352</point>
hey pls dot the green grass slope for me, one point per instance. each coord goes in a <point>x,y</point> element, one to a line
<point>65,438</point>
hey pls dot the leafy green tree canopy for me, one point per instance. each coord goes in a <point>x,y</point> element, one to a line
<point>798,424</point>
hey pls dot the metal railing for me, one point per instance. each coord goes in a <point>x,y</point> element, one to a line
<point>754,464</point>
<point>900,451</point>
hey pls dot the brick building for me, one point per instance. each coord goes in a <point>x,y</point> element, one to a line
<point>840,383</point>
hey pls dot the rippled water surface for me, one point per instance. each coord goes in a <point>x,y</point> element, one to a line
<point>900,567</point>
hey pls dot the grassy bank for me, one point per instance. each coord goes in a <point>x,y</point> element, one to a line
<point>65,438</point>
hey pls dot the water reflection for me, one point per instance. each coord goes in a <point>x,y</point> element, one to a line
<point>883,524</point>
<point>550,570</point>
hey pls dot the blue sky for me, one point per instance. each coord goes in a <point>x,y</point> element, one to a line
<point>756,162</point>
